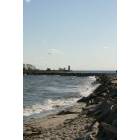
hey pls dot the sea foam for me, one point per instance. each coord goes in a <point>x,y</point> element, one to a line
<point>49,105</point>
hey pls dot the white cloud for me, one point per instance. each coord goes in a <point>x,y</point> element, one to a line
<point>106,47</point>
<point>54,52</point>
<point>28,1</point>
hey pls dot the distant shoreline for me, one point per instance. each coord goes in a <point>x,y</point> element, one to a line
<point>67,73</point>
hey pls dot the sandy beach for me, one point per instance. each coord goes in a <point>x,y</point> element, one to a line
<point>91,118</point>
<point>70,124</point>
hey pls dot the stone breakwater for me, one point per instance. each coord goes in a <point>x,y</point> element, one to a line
<point>93,118</point>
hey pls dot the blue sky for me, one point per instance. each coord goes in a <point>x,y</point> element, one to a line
<point>80,33</point>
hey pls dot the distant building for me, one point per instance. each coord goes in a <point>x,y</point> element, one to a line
<point>61,69</point>
<point>68,68</point>
<point>48,69</point>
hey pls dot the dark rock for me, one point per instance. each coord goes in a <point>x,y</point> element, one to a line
<point>102,105</point>
<point>65,112</point>
<point>83,99</point>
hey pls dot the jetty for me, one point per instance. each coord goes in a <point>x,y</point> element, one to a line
<point>29,69</point>
<point>67,73</point>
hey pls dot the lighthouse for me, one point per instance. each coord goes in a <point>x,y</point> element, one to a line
<point>68,68</point>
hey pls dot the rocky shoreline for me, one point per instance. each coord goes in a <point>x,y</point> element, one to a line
<point>92,118</point>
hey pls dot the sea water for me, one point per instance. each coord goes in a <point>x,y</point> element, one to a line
<point>48,94</point>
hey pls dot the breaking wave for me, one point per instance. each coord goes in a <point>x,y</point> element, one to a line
<point>51,105</point>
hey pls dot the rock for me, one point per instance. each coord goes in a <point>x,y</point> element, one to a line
<point>109,128</point>
<point>83,99</point>
<point>95,129</point>
<point>103,109</point>
<point>64,112</point>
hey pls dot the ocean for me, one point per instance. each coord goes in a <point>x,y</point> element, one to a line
<point>48,94</point>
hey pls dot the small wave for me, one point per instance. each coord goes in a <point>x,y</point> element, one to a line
<point>49,105</point>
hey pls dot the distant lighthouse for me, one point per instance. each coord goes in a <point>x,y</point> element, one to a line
<point>68,68</point>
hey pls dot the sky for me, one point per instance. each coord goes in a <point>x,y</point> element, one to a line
<point>79,33</point>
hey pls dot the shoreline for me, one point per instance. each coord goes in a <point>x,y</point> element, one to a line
<point>34,117</point>
<point>56,118</point>
<point>79,121</point>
